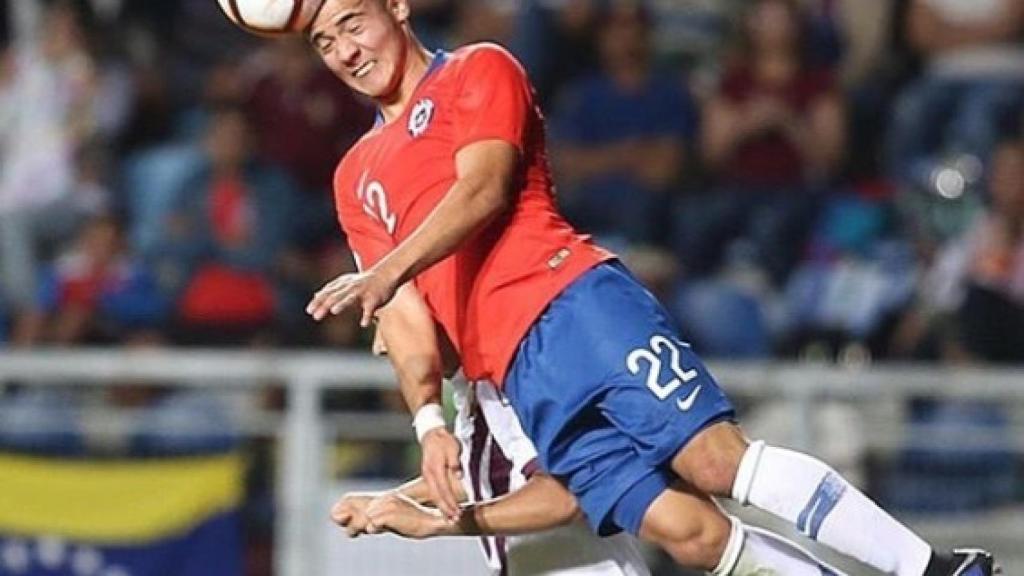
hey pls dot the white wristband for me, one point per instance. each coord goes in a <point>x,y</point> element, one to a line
<point>428,417</point>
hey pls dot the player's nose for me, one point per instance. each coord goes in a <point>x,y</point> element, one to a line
<point>349,54</point>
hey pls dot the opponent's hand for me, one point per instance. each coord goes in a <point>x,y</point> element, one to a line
<point>367,290</point>
<point>399,514</point>
<point>441,469</point>
<point>350,513</point>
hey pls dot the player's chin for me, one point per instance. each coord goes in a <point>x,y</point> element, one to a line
<point>369,89</point>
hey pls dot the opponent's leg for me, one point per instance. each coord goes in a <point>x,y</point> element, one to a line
<point>765,553</point>
<point>692,529</point>
<point>808,494</point>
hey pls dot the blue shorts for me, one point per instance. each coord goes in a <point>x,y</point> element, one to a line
<point>609,394</point>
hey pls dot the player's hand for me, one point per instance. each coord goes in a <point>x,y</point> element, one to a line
<point>350,513</point>
<point>399,514</point>
<point>441,469</point>
<point>366,290</point>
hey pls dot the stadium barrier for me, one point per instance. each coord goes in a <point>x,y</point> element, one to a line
<point>876,394</point>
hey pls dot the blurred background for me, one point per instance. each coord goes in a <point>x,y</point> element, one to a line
<point>829,194</point>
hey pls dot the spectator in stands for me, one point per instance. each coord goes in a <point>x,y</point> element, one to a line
<point>94,292</point>
<point>620,134</point>
<point>434,18</point>
<point>694,31</point>
<point>304,123</point>
<point>971,304</point>
<point>972,81</point>
<point>556,41</point>
<point>773,136</point>
<point>47,94</point>
<point>484,21</point>
<point>226,236</point>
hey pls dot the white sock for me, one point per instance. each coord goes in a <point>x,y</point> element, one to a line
<point>821,504</point>
<point>756,552</point>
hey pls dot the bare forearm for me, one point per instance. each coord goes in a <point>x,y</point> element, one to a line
<point>540,505</point>
<point>418,491</point>
<point>410,339</point>
<point>484,190</point>
<point>456,218</point>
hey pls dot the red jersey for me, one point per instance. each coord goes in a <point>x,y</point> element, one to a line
<point>488,293</point>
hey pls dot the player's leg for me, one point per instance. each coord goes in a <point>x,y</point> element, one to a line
<point>657,391</point>
<point>808,494</point>
<point>691,528</point>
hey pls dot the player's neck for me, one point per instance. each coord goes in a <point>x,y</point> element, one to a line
<point>417,62</point>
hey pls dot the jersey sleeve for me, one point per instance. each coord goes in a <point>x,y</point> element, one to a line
<point>495,99</point>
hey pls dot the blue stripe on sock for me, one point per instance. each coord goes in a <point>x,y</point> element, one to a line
<point>805,514</point>
<point>821,504</point>
<point>831,489</point>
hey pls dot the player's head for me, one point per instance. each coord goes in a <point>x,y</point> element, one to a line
<point>364,42</point>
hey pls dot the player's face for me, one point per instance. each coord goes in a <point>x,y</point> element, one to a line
<point>363,42</point>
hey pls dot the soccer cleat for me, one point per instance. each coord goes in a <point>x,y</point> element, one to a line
<point>973,562</point>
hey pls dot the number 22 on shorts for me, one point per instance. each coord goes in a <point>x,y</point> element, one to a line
<point>679,376</point>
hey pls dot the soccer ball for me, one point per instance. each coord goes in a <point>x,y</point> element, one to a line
<point>271,17</point>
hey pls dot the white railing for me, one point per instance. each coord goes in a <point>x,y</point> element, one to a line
<point>303,429</point>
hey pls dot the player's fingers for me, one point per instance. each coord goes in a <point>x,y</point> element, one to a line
<point>447,502</point>
<point>377,506</point>
<point>437,487</point>
<point>318,306</point>
<point>451,487</point>
<point>318,298</point>
<point>441,488</point>
<point>331,302</point>
<point>342,302</point>
<point>369,307</point>
<point>335,284</point>
<point>341,517</point>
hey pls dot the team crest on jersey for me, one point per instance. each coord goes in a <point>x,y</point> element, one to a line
<point>422,114</point>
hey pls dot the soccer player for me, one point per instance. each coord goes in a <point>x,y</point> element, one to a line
<point>451,190</point>
<point>527,522</point>
<point>531,527</point>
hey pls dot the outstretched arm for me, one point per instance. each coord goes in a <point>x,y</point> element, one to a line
<point>541,504</point>
<point>350,511</point>
<point>407,334</point>
<point>486,174</point>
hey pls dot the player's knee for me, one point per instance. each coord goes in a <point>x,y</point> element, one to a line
<point>689,527</point>
<point>711,460</point>
<point>697,545</point>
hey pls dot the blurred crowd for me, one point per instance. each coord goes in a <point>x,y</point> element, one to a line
<point>812,178</point>
<point>794,178</point>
